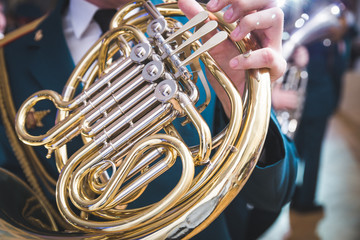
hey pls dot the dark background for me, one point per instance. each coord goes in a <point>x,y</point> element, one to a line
<point>20,12</point>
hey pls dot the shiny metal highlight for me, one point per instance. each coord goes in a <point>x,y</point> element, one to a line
<point>134,87</point>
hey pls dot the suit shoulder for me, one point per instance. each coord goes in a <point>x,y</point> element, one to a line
<point>18,33</point>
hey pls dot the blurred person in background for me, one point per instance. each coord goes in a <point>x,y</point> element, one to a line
<point>43,58</point>
<point>23,13</point>
<point>289,99</point>
<point>326,61</point>
<point>27,12</point>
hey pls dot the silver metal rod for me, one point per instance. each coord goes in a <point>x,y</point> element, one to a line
<point>122,65</point>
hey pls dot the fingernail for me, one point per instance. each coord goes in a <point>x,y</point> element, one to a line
<point>228,14</point>
<point>234,63</point>
<point>212,3</point>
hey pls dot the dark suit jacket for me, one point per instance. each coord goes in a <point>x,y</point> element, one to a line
<point>46,64</point>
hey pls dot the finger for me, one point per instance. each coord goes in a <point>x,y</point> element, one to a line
<point>233,13</point>
<point>261,58</point>
<point>240,6</point>
<point>217,5</point>
<point>269,20</point>
<point>236,11</point>
<point>190,7</point>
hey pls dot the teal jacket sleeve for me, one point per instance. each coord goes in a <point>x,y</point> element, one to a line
<point>274,176</point>
<point>272,183</point>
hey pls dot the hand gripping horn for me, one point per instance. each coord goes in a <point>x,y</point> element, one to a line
<point>137,79</point>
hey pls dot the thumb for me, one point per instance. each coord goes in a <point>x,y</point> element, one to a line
<point>190,7</point>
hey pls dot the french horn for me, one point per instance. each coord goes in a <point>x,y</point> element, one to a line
<point>137,79</point>
<point>330,21</point>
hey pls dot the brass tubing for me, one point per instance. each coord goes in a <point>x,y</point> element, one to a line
<point>125,119</point>
<point>132,190</point>
<point>146,160</point>
<point>124,107</point>
<point>148,213</point>
<point>129,116</point>
<point>105,79</point>
<point>56,133</point>
<point>53,132</point>
<point>144,179</point>
<point>117,35</point>
<point>77,76</point>
<point>117,84</point>
<point>134,129</point>
<point>151,9</point>
<point>103,153</point>
<point>194,203</point>
<point>63,104</point>
<point>202,128</point>
<point>164,121</point>
<point>112,101</point>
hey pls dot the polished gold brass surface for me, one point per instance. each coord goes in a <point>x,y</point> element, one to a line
<point>134,87</point>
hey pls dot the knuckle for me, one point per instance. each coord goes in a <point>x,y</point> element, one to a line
<point>279,68</point>
<point>245,22</point>
<point>283,66</point>
<point>279,12</point>
<point>239,3</point>
<point>268,56</point>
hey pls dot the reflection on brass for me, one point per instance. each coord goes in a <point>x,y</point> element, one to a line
<point>33,118</point>
<point>21,207</point>
<point>38,35</point>
<point>32,212</point>
<point>122,108</point>
<point>247,54</point>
